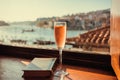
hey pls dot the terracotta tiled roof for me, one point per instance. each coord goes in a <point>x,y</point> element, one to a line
<point>94,38</point>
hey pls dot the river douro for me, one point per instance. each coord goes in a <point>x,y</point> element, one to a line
<point>30,33</point>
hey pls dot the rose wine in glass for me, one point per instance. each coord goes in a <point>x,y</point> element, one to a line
<point>60,38</point>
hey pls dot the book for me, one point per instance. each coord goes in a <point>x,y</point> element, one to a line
<point>40,67</point>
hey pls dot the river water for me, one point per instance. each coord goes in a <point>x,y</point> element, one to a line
<point>15,32</point>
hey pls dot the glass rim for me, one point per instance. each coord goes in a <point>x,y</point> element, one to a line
<point>59,23</point>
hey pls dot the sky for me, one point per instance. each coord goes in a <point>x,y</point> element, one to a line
<point>30,10</point>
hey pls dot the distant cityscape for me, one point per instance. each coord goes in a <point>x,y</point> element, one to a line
<point>78,21</point>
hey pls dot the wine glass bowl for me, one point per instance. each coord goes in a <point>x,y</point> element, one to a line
<point>60,34</point>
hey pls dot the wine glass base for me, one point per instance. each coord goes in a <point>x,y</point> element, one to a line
<point>58,73</point>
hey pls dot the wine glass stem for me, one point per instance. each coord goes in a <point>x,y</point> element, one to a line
<point>60,53</point>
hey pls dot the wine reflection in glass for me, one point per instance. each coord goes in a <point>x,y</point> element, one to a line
<point>60,38</point>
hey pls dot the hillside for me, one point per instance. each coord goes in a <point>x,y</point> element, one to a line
<point>3,23</point>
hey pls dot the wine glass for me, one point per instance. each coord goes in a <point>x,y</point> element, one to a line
<point>60,38</point>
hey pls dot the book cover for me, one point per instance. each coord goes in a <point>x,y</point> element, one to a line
<point>40,67</point>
